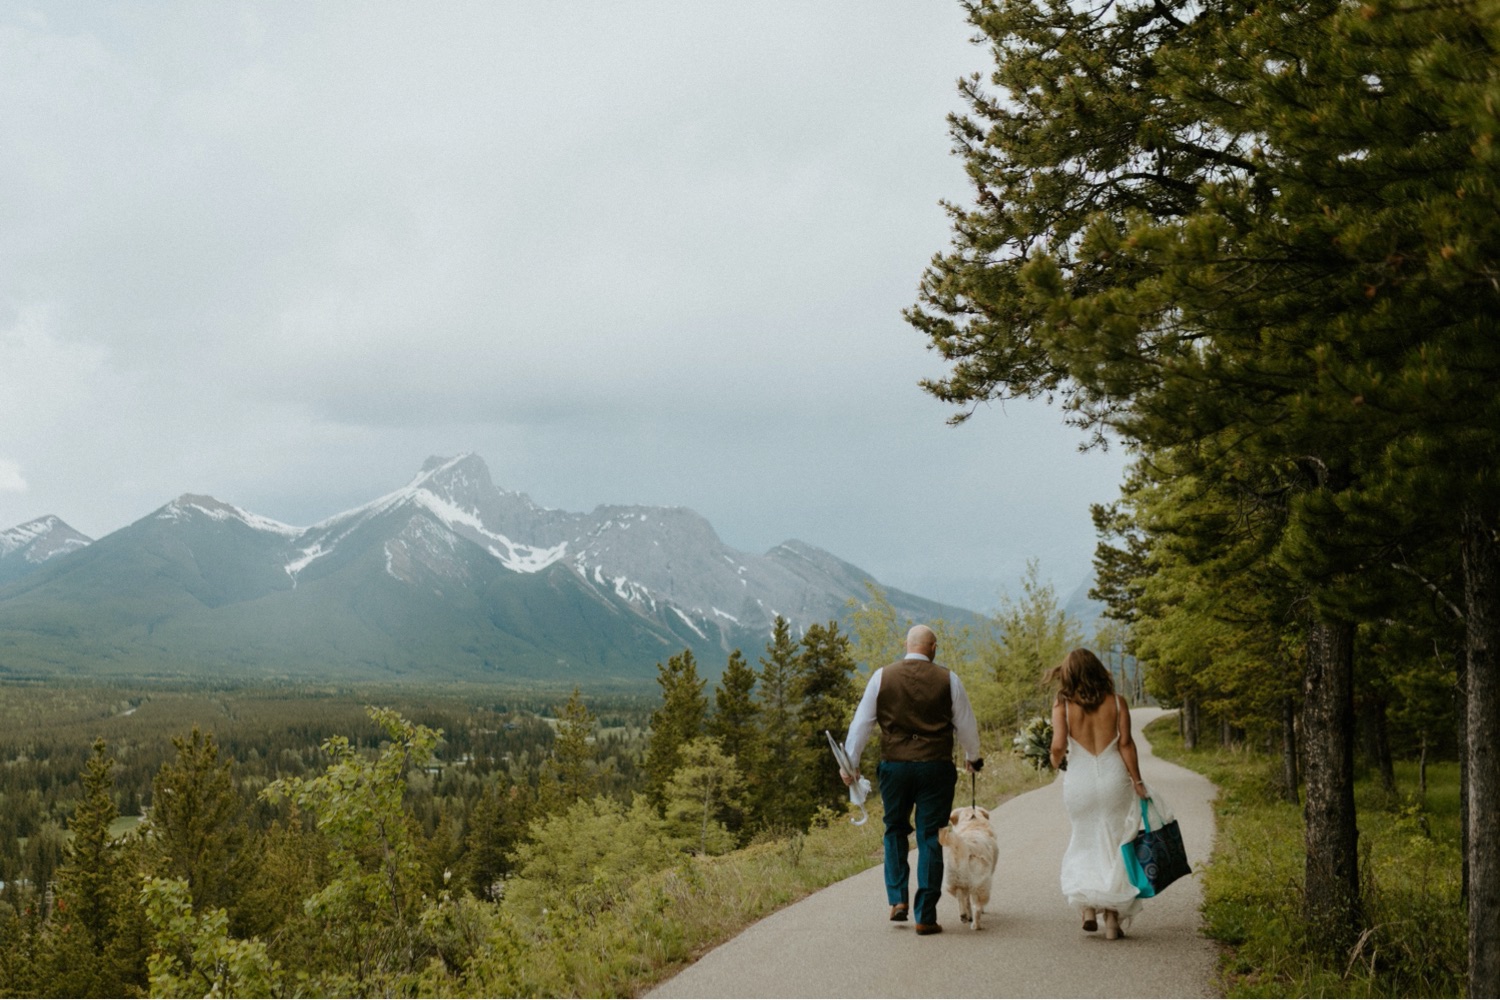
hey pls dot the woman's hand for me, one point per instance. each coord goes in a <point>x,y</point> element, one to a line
<point>1140,788</point>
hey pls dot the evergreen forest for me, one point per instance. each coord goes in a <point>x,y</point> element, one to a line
<point>1254,245</point>
<point>302,841</point>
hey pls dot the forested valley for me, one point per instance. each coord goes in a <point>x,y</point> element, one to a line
<point>298,841</point>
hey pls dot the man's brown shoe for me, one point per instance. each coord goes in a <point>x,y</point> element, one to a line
<point>929,928</point>
<point>898,912</point>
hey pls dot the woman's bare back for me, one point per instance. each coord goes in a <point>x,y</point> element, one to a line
<point>1095,729</point>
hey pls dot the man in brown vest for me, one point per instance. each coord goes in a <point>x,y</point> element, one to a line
<point>919,707</point>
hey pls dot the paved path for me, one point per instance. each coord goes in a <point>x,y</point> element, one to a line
<point>838,942</point>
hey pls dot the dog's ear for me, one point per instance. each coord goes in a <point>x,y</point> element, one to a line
<point>945,836</point>
<point>983,812</point>
<point>953,818</point>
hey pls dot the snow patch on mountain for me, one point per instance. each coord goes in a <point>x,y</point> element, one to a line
<point>516,556</point>
<point>631,591</point>
<point>22,535</point>
<point>688,622</point>
<point>190,505</point>
<point>40,540</point>
<point>308,555</point>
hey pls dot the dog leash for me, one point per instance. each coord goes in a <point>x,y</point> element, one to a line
<point>973,794</point>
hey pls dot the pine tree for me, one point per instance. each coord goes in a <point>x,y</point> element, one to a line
<point>1222,230</point>
<point>735,716</point>
<point>1035,633</point>
<point>825,689</point>
<point>497,824</point>
<point>679,720</point>
<point>778,782</point>
<point>570,776</point>
<point>87,877</point>
<point>96,906</point>
<point>196,827</point>
<point>735,726</point>
<point>703,797</point>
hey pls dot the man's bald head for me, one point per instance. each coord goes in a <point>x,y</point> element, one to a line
<point>921,639</point>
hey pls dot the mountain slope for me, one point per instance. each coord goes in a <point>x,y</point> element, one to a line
<point>447,577</point>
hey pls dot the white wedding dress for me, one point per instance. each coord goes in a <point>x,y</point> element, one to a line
<point>1105,812</point>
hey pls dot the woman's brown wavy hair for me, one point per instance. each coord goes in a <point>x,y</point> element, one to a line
<point>1082,678</point>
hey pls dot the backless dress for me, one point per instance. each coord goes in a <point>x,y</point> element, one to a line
<point>1105,812</point>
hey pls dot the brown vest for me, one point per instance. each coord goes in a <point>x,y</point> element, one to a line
<point>915,712</point>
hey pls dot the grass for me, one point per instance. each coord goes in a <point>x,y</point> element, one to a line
<point>1414,940</point>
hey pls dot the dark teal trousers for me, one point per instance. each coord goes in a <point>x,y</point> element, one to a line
<point>926,789</point>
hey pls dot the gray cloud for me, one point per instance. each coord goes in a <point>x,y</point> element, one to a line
<point>627,252</point>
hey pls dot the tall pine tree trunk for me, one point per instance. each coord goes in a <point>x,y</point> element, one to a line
<point>1188,720</point>
<point>1481,561</point>
<point>1289,776</point>
<point>1332,904</point>
<point>1377,740</point>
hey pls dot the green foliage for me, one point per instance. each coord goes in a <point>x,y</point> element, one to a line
<point>570,776</point>
<point>196,830</point>
<point>369,907</point>
<point>586,858</point>
<point>1119,570</point>
<point>735,718</point>
<point>602,898</point>
<point>825,687</point>
<point>877,632</point>
<point>679,720</point>
<point>1245,240</point>
<point>779,799</point>
<point>88,879</point>
<point>735,725</point>
<point>1034,634</point>
<point>704,797</point>
<point>193,954</point>
<point>1413,942</point>
<point>497,823</point>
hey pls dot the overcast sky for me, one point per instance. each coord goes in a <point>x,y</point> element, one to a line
<point>627,252</point>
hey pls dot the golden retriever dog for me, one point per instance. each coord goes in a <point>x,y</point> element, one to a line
<point>969,853</point>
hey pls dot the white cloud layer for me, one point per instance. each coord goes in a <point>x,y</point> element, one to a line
<point>627,252</point>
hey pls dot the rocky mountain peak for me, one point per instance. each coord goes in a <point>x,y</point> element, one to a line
<point>41,539</point>
<point>27,546</point>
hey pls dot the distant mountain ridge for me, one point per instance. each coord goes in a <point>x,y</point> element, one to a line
<point>27,546</point>
<point>447,576</point>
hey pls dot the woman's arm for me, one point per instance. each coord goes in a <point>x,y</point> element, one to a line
<point>1128,752</point>
<point>1059,732</point>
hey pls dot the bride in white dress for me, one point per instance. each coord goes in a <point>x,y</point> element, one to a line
<point>1102,790</point>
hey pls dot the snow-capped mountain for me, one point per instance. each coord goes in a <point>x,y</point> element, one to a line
<point>448,574</point>
<point>27,546</point>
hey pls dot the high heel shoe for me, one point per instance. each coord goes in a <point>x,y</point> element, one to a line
<point>1090,923</point>
<point>1112,925</point>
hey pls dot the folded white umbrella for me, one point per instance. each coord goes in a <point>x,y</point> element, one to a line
<point>858,790</point>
